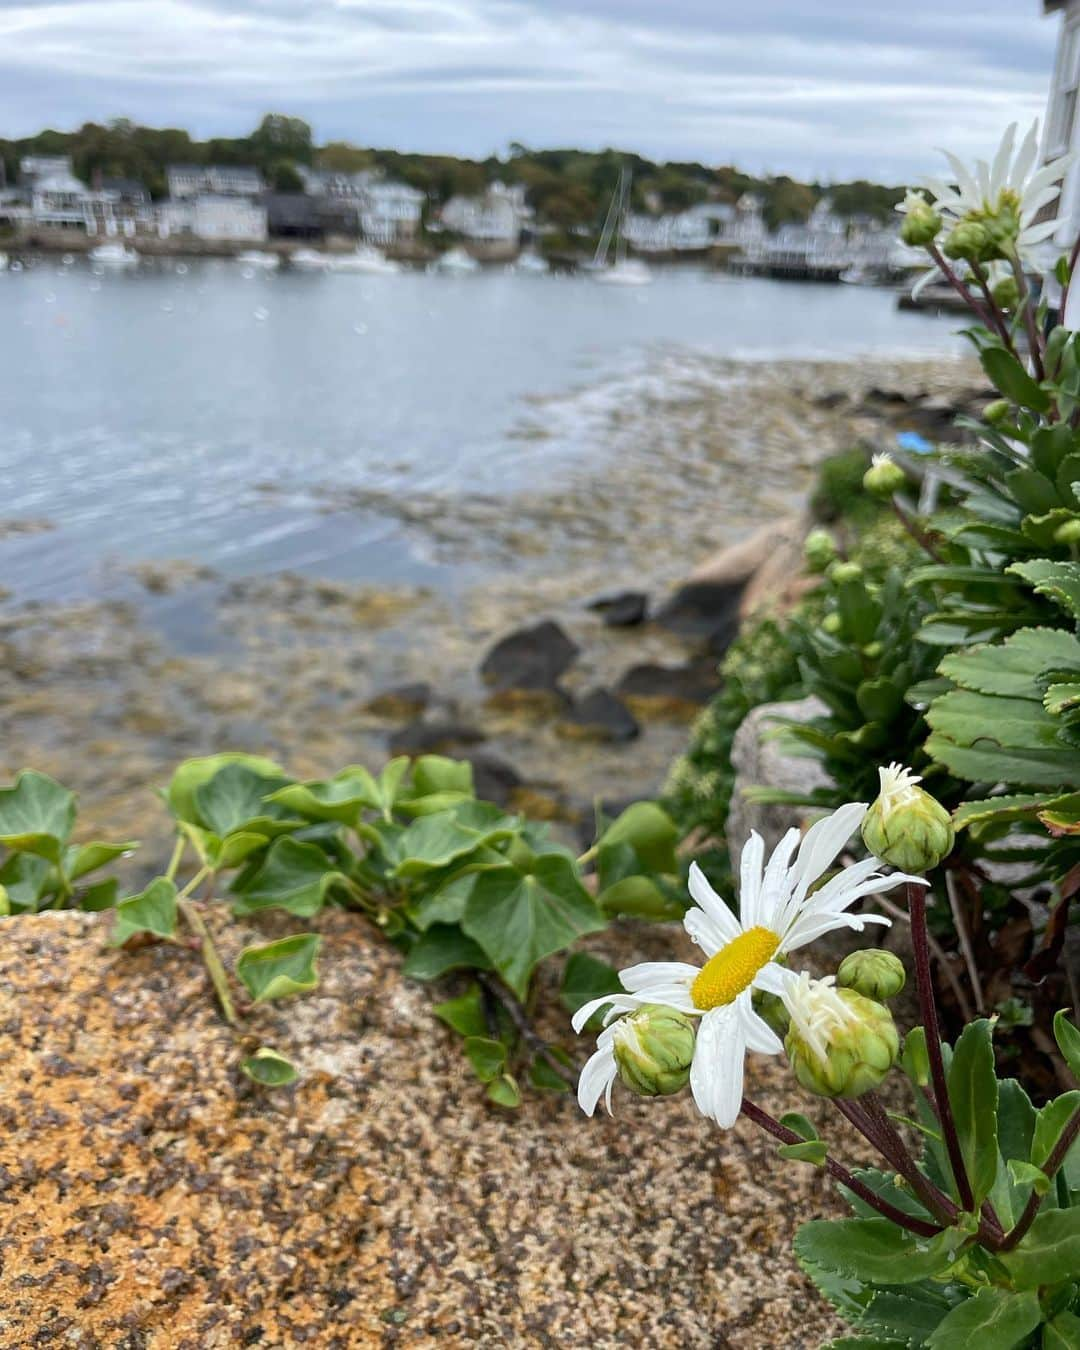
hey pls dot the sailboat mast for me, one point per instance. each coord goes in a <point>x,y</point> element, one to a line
<point>611,222</point>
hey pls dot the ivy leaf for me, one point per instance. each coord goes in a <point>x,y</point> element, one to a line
<point>465,1015</point>
<point>874,1250</point>
<point>180,794</point>
<point>436,841</point>
<point>437,774</point>
<point>1049,1252</point>
<point>973,1092</point>
<point>587,978</point>
<point>234,801</point>
<point>37,816</point>
<point>84,858</point>
<point>487,1056</point>
<point>1068,1039</point>
<point>650,831</point>
<point>269,1069</point>
<point>101,895</point>
<point>995,1319</point>
<point>293,876</point>
<point>280,969</point>
<point>151,911</point>
<point>639,898</point>
<point>519,917</point>
<point>342,798</point>
<point>25,878</point>
<point>442,948</point>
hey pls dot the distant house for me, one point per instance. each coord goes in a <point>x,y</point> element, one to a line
<point>214,219</point>
<point>498,216</point>
<point>59,201</point>
<point>382,210</point>
<point>293,215</point>
<point>697,228</point>
<point>33,167</point>
<point>1061,132</point>
<point>187,181</point>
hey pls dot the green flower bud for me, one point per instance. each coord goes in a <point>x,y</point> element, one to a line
<point>921,221</point>
<point>969,240</point>
<point>840,1044</point>
<point>884,477</point>
<point>839,572</point>
<point>1006,293</point>
<point>653,1048</point>
<point>905,826</point>
<point>831,623</point>
<point>997,411</point>
<point>873,650</point>
<point>873,973</point>
<point>819,550</point>
<point>1068,533</point>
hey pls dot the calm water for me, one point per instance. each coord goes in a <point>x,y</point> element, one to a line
<point>147,415</point>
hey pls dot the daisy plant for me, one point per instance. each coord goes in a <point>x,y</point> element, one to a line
<point>975,1236</point>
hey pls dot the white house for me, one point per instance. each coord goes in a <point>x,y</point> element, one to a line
<point>698,227</point>
<point>1061,134</point>
<point>498,216</point>
<point>59,201</point>
<point>214,218</point>
<point>217,180</point>
<point>386,211</point>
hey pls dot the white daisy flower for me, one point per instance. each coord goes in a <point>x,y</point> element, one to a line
<point>1006,187</point>
<point>778,915</point>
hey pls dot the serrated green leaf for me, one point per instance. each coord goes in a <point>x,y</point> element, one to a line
<point>910,1320</point>
<point>151,911</point>
<point>1012,667</point>
<point>465,1015</point>
<point>269,1069</point>
<point>293,876</point>
<point>180,794</point>
<point>650,831</point>
<point>1007,723</point>
<point>1043,530</point>
<point>994,1319</point>
<point>280,969</point>
<point>518,918</point>
<point>487,1056</point>
<point>1017,806</point>
<point>973,1092</point>
<point>37,815</point>
<point>442,948</point>
<point>1049,768</point>
<point>1049,1252</point>
<point>1059,581</point>
<point>874,1250</point>
<point>1068,1039</point>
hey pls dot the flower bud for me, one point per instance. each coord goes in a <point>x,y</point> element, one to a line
<point>884,477</point>
<point>1068,533</point>
<point>905,826</point>
<point>969,240</point>
<point>840,1044</point>
<point>653,1049</point>
<point>839,572</point>
<point>921,221</point>
<point>819,550</point>
<point>1006,293</point>
<point>997,411</point>
<point>873,973</point>
<point>832,624</point>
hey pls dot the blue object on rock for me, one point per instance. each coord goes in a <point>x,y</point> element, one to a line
<point>911,440</point>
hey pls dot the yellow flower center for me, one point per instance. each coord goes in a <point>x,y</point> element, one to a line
<point>725,975</point>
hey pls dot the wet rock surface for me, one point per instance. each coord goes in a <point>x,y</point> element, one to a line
<point>152,1199</point>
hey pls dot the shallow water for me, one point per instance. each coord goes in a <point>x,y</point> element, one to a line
<point>199,411</point>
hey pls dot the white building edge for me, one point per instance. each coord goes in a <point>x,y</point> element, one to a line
<point>1061,128</point>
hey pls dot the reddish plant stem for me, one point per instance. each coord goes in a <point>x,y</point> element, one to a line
<point>839,1173</point>
<point>959,287</point>
<point>1034,340</point>
<point>916,898</point>
<point>1053,1163</point>
<point>998,321</point>
<point>877,1128</point>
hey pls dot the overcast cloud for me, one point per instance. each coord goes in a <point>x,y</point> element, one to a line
<point>827,90</point>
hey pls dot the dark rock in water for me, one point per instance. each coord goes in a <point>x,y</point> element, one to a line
<point>530,658</point>
<point>433,738</point>
<point>704,610</point>
<point>668,690</point>
<point>830,400</point>
<point>404,700</point>
<point>493,779</point>
<point>889,398</point>
<point>623,610</point>
<point>934,417</point>
<point>600,716</point>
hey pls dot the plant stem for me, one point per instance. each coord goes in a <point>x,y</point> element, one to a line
<point>1029,319</point>
<point>998,321</point>
<point>916,898</point>
<point>875,1126</point>
<point>211,960</point>
<point>525,1029</point>
<point>944,964</point>
<point>841,1174</point>
<point>177,854</point>
<point>959,287</point>
<point>1053,1163</point>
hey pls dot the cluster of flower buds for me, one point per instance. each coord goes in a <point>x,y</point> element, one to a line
<point>654,1048</point>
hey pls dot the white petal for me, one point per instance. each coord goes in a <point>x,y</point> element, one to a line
<point>771,978</point>
<point>758,1034</point>
<point>982,177</point>
<point>1051,173</point>
<point>596,1079</point>
<point>615,1003</point>
<point>1003,158</point>
<point>750,864</point>
<point>823,843</point>
<point>1035,234</point>
<point>714,906</point>
<point>927,277</point>
<point>774,885</point>
<point>969,189</point>
<point>649,975</point>
<point>1029,148</point>
<point>810,929</point>
<point>716,1075</point>
<point>705,931</point>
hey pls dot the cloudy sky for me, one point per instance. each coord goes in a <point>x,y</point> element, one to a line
<point>823,89</point>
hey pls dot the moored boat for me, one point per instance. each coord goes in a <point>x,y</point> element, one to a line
<point>366,259</point>
<point>114,255</point>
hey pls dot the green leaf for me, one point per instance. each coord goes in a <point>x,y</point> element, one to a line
<point>994,1319</point>
<point>437,773</point>
<point>973,1092</point>
<point>443,947</point>
<point>651,833</point>
<point>639,898</point>
<point>26,879</point>
<point>84,858</point>
<point>180,794</point>
<point>234,801</point>
<point>101,895</point>
<point>1049,1252</point>
<point>543,1077</point>
<point>342,798</point>
<point>521,917</point>
<point>151,911</point>
<point>436,841</point>
<point>1012,667</point>
<point>1049,1124</point>
<point>1043,530</point>
<point>1068,1039</point>
<point>293,876</point>
<point>1032,491</point>
<point>269,1069</point>
<point>37,816</point>
<point>465,1015</point>
<point>909,1319</point>
<point>915,1057</point>
<point>1005,723</point>
<point>1059,581</point>
<point>874,1250</point>
<point>1051,768</point>
<point>1027,1175</point>
<point>487,1057</point>
<point>504,1091</point>
<point>809,1151</point>
<point>1012,380</point>
<point>280,969</point>
<point>1063,1333</point>
<point>587,978</point>
<point>799,1125</point>
<point>999,809</point>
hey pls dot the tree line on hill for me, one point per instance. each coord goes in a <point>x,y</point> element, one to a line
<point>567,188</point>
